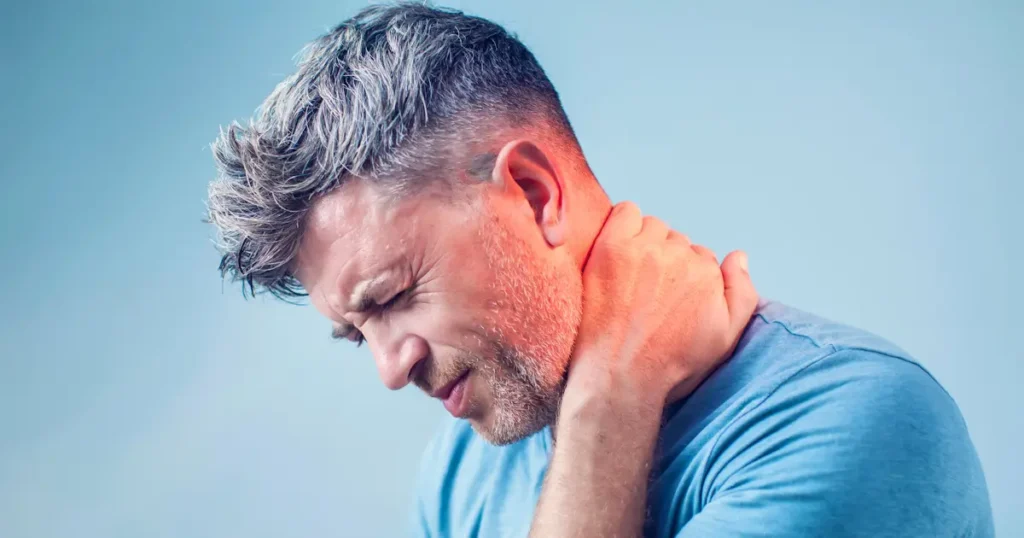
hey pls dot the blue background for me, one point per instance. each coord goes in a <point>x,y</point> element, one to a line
<point>867,155</point>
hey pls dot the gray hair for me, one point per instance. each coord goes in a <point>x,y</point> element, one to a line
<point>385,96</point>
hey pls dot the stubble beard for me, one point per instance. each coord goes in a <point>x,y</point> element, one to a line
<point>538,307</point>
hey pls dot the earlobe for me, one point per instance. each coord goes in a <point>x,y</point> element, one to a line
<point>523,169</point>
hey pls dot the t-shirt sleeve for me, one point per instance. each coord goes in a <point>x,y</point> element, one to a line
<point>857,444</point>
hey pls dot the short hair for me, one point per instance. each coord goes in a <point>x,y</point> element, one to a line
<point>379,97</point>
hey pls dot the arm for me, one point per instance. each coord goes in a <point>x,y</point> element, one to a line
<point>597,481</point>
<point>659,315</point>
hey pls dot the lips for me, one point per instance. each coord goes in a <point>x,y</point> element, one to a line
<point>454,395</point>
<point>445,391</point>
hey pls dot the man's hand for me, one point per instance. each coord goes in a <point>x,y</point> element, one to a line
<point>658,312</point>
<point>658,315</point>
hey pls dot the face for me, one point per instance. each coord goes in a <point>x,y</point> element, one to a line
<point>467,301</point>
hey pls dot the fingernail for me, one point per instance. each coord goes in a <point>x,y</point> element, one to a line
<point>743,262</point>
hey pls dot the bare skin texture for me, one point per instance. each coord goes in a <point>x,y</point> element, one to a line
<point>685,315</point>
<point>555,307</point>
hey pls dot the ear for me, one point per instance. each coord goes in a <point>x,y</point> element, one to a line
<point>523,169</point>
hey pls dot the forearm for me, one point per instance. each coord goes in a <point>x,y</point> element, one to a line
<point>596,484</point>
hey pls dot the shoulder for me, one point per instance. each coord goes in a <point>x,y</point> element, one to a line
<point>852,387</point>
<point>785,349</point>
<point>797,329</point>
<point>845,426</point>
<point>852,373</point>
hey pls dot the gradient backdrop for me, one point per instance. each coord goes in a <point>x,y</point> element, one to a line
<point>868,155</point>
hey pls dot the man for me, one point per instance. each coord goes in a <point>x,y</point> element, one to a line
<point>418,179</point>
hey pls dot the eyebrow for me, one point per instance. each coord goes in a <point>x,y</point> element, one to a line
<point>363,297</point>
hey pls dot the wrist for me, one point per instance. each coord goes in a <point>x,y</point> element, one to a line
<point>617,386</point>
<point>601,397</point>
<point>593,425</point>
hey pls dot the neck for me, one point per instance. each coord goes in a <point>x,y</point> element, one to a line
<point>592,212</point>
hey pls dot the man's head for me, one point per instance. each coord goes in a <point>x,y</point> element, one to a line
<point>417,178</point>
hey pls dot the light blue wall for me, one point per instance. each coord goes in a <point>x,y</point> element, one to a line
<point>869,156</point>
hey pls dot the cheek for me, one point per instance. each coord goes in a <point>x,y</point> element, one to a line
<point>458,309</point>
<point>446,324</point>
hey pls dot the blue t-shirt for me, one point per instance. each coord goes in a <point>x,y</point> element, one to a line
<point>811,429</point>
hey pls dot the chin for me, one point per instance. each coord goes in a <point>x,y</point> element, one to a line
<point>507,428</point>
<point>502,437</point>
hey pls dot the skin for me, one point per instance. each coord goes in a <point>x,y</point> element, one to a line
<point>661,315</point>
<point>490,291</point>
<point>556,307</point>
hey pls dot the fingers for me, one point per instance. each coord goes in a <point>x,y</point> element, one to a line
<point>654,228</point>
<point>700,250</point>
<point>678,237</point>
<point>624,222</point>
<point>740,295</point>
<point>705,252</point>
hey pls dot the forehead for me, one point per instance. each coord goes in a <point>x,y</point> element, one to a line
<point>358,229</point>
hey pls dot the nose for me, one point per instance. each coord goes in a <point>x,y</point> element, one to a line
<point>395,363</point>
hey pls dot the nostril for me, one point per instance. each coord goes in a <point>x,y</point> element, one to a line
<point>414,372</point>
<point>414,351</point>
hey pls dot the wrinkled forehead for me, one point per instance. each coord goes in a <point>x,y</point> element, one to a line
<point>357,228</point>
<point>349,221</point>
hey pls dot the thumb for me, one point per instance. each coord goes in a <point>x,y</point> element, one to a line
<point>740,295</point>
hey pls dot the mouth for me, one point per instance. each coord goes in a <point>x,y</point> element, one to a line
<point>453,395</point>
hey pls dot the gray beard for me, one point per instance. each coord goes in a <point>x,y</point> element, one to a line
<point>522,404</point>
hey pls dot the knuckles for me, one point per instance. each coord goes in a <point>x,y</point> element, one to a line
<point>654,307</point>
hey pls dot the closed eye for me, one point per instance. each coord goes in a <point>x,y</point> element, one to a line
<point>352,334</point>
<point>393,301</point>
<point>347,332</point>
